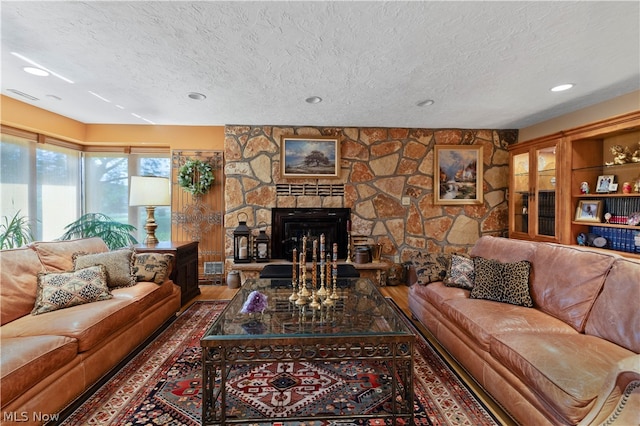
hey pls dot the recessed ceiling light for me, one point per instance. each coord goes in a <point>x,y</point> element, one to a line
<point>197,96</point>
<point>562,87</point>
<point>426,102</point>
<point>313,100</point>
<point>100,97</point>
<point>37,65</point>
<point>57,98</point>
<point>36,71</point>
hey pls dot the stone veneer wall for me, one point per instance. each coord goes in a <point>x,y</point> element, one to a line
<point>378,167</point>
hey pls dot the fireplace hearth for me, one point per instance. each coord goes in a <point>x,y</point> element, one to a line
<point>290,225</point>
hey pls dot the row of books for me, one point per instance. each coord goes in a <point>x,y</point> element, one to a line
<point>624,206</point>
<point>620,239</point>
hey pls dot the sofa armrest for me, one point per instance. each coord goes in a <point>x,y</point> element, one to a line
<point>619,400</point>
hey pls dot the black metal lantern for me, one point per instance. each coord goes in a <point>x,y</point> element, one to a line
<point>262,249</point>
<point>242,241</point>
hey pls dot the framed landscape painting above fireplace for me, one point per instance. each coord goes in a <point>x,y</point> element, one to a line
<point>310,157</point>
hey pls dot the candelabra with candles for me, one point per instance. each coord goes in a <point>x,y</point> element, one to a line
<point>322,291</point>
<point>294,277</point>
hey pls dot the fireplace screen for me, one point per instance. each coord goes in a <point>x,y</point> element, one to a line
<point>289,225</point>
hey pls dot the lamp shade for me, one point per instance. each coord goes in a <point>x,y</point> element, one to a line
<point>149,191</point>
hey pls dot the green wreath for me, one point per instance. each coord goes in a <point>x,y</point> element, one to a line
<point>196,177</point>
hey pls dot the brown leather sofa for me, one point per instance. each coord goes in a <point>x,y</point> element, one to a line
<point>572,358</point>
<point>48,360</point>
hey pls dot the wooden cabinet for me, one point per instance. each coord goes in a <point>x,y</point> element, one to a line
<point>533,189</point>
<point>185,267</point>
<point>581,155</point>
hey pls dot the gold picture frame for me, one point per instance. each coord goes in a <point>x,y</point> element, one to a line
<point>458,174</point>
<point>589,211</point>
<point>309,157</point>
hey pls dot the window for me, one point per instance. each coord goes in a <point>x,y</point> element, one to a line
<point>107,188</point>
<point>35,178</point>
<point>52,184</point>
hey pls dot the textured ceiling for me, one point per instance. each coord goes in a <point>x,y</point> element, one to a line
<point>485,64</point>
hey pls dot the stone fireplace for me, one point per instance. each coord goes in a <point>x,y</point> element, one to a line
<point>290,225</point>
<point>385,181</point>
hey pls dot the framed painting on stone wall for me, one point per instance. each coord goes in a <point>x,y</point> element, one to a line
<point>309,157</point>
<point>457,174</point>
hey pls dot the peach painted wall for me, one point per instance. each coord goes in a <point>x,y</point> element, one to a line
<point>28,117</point>
<point>616,106</point>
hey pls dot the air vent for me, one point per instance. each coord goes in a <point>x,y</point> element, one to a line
<point>319,189</point>
<point>24,95</point>
<point>212,268</point>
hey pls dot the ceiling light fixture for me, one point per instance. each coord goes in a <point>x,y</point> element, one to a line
<point>426,102</point>
<point>37,65</point>
<point>313,100</point>
<point>197,96</point>
<point>99,97</point>
<point>57,98</point>
<point>562,87</point>
<point>36,71</point>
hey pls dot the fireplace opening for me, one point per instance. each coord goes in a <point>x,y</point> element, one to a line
<point>290,225</point>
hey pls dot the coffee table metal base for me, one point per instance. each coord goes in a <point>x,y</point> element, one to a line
<point>219,356</point>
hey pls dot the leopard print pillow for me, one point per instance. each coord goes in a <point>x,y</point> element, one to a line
<point>502,282</point>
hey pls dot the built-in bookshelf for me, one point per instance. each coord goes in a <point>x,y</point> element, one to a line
<point>591,161</point>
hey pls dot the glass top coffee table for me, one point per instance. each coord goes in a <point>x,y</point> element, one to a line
<point>356,324</point>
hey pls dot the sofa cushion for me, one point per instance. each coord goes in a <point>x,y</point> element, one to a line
<point>613,317</point>
<point>25,361</point>
<point>90,324</point>
<point>57,256</point>
<point>430,267</point>
<point>437,293</point>
<point>504,249</point>
<point>480,319</point>
<point>118,263</point>
<point>154,267</point>
<point>551,365</point>
<point>461,272</point>
<point>502,282</point>
<point>19,269</point>
<point>567,281</point>
<point>59,290</point>
<point>144,294</point>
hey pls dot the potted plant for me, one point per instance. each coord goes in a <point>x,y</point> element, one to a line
<point>113,233</point>
<point>15,232</point>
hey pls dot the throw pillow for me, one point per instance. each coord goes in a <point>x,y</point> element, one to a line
<point>58,290</point>
<point>502,282</point>
<point>461,273</point>
<point>152,267</point>
<point>430,267</point>
<point>118,263</point>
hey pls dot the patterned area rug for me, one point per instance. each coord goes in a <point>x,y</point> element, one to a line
<point>162,385</point>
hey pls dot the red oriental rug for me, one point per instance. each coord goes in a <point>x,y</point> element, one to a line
<point>162,385</point>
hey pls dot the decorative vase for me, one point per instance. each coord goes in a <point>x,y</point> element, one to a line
<point>233,279</point>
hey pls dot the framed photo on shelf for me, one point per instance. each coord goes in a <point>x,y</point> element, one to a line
<point>604,183</point>
<point>589,211</point>
<point>310,157</point>
<point>458,174</point>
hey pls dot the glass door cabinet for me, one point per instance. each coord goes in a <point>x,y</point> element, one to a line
<point>532,191</point>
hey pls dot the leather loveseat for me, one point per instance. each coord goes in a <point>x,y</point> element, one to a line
<point>571,358</point>
<point>49,359</point>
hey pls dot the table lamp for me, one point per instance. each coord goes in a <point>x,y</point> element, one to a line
<point>149,191</point>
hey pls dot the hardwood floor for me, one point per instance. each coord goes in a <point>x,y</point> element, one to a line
<point>400,295</point>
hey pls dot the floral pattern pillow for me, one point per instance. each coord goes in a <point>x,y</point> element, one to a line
<point>118,263</point>
<point>461,273</point>
<point>59,290</point>
<point>152,267</point>
<point>430,267</point>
